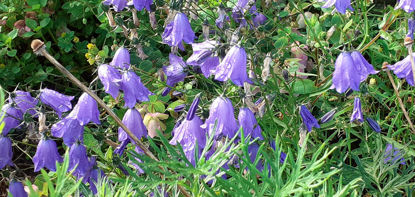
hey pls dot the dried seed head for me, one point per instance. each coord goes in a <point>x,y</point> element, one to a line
<point>36,45</point>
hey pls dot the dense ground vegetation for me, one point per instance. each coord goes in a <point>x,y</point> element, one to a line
<point>220,98</point>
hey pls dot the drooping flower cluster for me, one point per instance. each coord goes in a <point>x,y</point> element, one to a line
<point>178,31</point>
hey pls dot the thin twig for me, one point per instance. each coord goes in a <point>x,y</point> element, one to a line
<point>405,113</point>
<point>39,49</point>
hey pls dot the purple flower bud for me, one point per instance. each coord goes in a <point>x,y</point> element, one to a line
<point>120,149</point>
<point>179,108</point>
<point>166,91</point>
<point>357,111</point>
<point>110,78</point>
<point>222,18</point>
<point>57,101</point>
<point>249,124</point>
<point>12,118</point>
<point>69,129</point>
<point>46,155</point>
<point>328,116</point>
<point>403,69</point>
<point>133,89</point>
<point>221,121</point>
<point>411,28</point>
<point>6,153</point>
<point>350,70</point>
<point>25,102</point>
<point>17,189</point>
<point>78,160</point>
<point>341,5</point>
<point>392,155</point>
<point>141,4</point>
<point>121,59</point>
<point>86,110</point>
<point>175,72</point>
<point>192,110</point>
<point>132,119</point>
<point>374,125</point>
<point>177,31</point>
<point>308,119</point>
<point>233,67</point>
<point>407,5</point>
<point>118,5</point>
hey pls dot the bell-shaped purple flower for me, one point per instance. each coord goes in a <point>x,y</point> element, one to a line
<point>357,111</point>
<point>134,90</point>
<point>411,28</point>
<point>393,155</point>
<point>121,59</point>
<point>350,70</point>
<point>373,125</point>
<point>86,110</point>
<point>259,19</point>
<point>12,118</point>
<point>25,102</point>
<point>222,18</point>
<point>221,121</point>
<point>202,57</point>
<point>176,71</point>
<point>110,78</point>
<point>239,10</point>
<point>233,67</point>
<point>6,153</point>
<point>118,5</point>
<point>141,4</point>
<point>177,31</point>
<point>407,5</point>
<point>57,101</point>
<point>78,160</point>
<point>403,69</point>
<point>46,155</point>
<point>69,129</point>
<point>249,123</point>
<point>120,149</point>
<point>341,5</point>
<point>308,118</point>
<point>132,119</point>
<point>17,189</point>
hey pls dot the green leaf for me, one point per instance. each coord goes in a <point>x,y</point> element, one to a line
<point>13,34</point>
<point>45,22</point>
<point>303,86</point>
<point>12,53</point>
<point>281,42</point>
<point>92,143</point>
<point>28,34</point>
<point>348,24</point>
<point>32,24</point>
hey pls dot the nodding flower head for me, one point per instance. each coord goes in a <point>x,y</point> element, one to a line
<point>121,59</point>
<point>221,121</point>
<point>403,69</point>
<point>203,57</point>
<point>134,90</point>
<point>341,5</point>
<point>141,4</point>
<point>118,5</point>
<point>57,101</point>
<point>132,119</point>
<point>357,111</point>
<point>6,153</point>
<point>233,67</point>
<point>25,102</point>
<point>110,78</point>
<point>17,189</point>
<point>70,129</point>
<point>407,5</point>
<point>177,31</point>
<point>11,119</point>
<point>176,71</point>
<point>249,124</point>
<point>78,160</point>
<point>86,110</point>
<point>308,118</point>
<point>373,125</point>
<point>46,155</point>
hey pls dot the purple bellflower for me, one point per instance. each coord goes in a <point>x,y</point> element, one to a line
<point>120,148</point>
<point>393,155</point>
<point>86,110</point>
<point>25,102</point>
<point>132,119</point>
<point>12,118</point>
<point>328,116</point>
<point>69,129</point>
<point>308,118</point>
<point>239,10</point>
<point>121,59</point>
<point>118,5</point>
<point>407,5</point>
<point>17,189</point>
<point>357,111</point>
<point>46,155</point>
<point>188,132</point>
<point>411,28</point>
<point>193,108</point>
<point>221,121</point>
<point>177,31</point>
<point>350,70</point>
<point>259,19</point>
<point>202,57</point>
<point>249,123</point>
<point>110,78</point>
<point>233,67</point>
<point>403,69</point>
<point>134,90</point>
<point>176,71</point>
<point>6,153</point>
<point>141,4</point>
<point>373,125</point>
<point>57,101</point>
<point>341,5</point>
<point>78,160</point>
<point>222,18</point>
